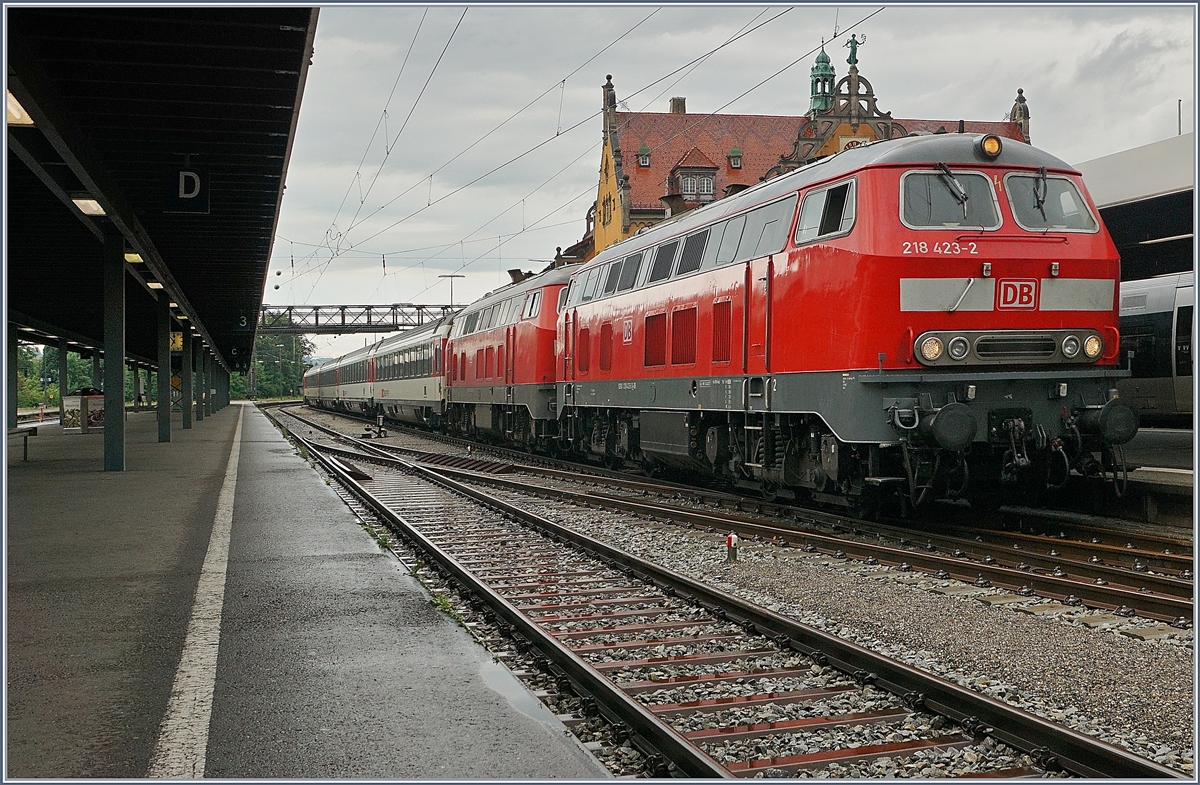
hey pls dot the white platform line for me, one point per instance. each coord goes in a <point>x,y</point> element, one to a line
<point>182,739</point>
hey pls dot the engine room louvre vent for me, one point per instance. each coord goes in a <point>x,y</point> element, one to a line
<point>721,324</point>
<point>683,337</point>
<point>996,346</point>
<point>656,340</point>
<point>1133,301</point>
<point>583,350</point>
<point>606,346</point>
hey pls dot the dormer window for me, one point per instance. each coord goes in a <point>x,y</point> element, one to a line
<point>706,188</point>
<point>643,156</point>
<point>735,158</point>
<point>688,187</point>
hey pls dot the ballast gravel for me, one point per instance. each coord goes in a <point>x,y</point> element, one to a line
<point>1133,693</point>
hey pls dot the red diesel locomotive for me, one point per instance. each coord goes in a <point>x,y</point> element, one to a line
<point>933,316</point>
<point>929,316</point>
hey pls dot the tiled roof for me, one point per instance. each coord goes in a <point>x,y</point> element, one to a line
<point>670,137</point>
<point>693,140</point>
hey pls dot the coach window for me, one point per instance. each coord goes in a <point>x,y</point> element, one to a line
<point>828,212</point>
<point>533,305</point>
<point>942,199</point>
<point>629,272</point>
<point>730,240</point>
<point>1041,203</point>
<point>664,257</point>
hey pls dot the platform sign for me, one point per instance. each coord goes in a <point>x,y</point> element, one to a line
<point>186,191</point>
<point>93,413</point>
<point>177,342</point>
<point>72,421</point>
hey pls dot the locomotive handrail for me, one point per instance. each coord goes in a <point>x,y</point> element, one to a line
<point>1024,238</point>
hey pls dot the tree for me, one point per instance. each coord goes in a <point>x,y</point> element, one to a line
<point>279,365</point>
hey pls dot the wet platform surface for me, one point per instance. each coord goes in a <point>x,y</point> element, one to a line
<point>329,660</point>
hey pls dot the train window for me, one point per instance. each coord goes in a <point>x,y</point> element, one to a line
<point>664,257</point>
<point>715,234</point>
<point>534,305</point>
<point>614,275</point>
<point>469,323</point>
<point>562,299</point>
<point>589,286</point>
<point>827,212</point>
<point>767,229</point>
<point>629,272</point>
<point>938,200</point>
<point>730,240</point>
<point>1183,341</point>
<point>693,253</point>
<point>1042,203</point>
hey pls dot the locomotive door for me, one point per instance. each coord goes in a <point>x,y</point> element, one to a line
<point>1182,367</point>
<point>756,349</point>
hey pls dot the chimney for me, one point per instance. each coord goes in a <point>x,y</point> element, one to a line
<point>679,105</point>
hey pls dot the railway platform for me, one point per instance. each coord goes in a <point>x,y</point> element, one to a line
<point>216,611</point>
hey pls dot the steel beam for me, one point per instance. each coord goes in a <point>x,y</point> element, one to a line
<point>185,380</point>
<point>164,367</point>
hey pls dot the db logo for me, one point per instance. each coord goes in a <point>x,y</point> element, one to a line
<point>1018,295</point>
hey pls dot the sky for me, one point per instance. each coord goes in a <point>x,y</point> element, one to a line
<point>466,140</point>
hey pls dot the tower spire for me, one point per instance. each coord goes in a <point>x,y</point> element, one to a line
<point>822,78</point>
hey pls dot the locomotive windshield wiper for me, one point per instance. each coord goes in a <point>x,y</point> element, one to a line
<point>1039,194</point>
<point>954,186</point>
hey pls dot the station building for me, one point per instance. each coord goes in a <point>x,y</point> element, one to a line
<point>655,165</point>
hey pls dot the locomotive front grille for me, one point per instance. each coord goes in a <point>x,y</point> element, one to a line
<point>995,347</point>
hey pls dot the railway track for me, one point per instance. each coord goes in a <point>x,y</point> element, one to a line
<point>699,682</point>
<point>1134,578</point>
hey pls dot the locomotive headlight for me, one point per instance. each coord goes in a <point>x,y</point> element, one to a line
<point>931,348</point>
<point>958,348</point>
<point>1092,346</point>
<point>989,146</point>
<point>1070,346</point>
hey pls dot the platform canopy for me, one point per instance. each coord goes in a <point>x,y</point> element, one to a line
<point>170,128</point>
<point>1146,197</point>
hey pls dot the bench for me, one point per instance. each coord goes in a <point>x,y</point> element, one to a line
<point>24,433</point>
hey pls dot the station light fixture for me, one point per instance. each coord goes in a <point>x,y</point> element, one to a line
<point>16,113</point>
<point>88,206</point>
<point>133,258</point>
<point>154,284</point>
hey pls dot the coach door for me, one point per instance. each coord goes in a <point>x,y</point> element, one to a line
<point>1182,370</point>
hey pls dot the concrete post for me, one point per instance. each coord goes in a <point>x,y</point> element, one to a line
<point>12,376</point>
<point>208,383</point>
<point>185,381</point>
<point>114,353</point>
<point>164,367</point>
<point>62,375</point>
<point>198,348</point>
<point>97,376</point>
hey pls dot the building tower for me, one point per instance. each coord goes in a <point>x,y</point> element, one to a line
<point>822,84</point>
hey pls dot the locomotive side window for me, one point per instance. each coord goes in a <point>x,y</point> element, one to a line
<point>469,323</point>
<point>693,253</point>
<point>589,286</point>
<point>562,299</point>
<point>1041,203</point>
<point>827,212</point>
<point>767,229</point>
<point>614,275</point>
<point>945,199</point>
<point>730,240</point>
<point>534,306</point>
<point>629,272</point>
<point>663,259</point>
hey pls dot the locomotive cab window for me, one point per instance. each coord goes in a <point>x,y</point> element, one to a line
<point>534,305</point>
<point>827,213</point>
<point>945,199</point>
<point>1041,203</point>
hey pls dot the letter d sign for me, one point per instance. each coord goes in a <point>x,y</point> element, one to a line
<point>1019,295</point>
<point>186,191</point>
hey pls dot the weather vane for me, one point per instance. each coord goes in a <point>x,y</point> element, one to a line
<point>854,43</point>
